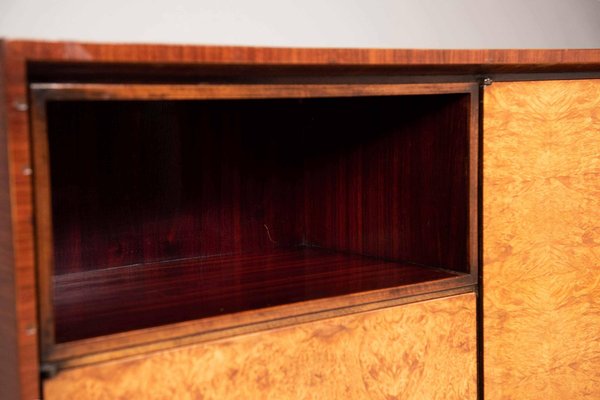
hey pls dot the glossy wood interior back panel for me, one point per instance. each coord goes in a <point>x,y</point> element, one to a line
<point>393,183</point>
<point>542,240</point>
<point>417,351</point>
<point>136,182</point>
<point>144,182</point>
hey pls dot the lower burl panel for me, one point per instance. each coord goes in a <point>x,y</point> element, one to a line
<point>423,350</point>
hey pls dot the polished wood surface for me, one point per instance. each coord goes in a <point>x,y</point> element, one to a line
<point>214,91</point>
<point>19,364</point>
<point>418,351</point>
<point>21,60</point>
<point>379,176</point>
<point>9,375</point>
<point>103,302</point>
<point>542,240</point>
<point>143,341</point>
<point>460,60</point>
<point>76,62</point>
<point>200,179</point>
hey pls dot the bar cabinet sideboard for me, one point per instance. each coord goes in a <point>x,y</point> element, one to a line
<point>237,222</point>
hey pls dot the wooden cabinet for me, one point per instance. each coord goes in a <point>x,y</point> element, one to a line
<point>293,223</point>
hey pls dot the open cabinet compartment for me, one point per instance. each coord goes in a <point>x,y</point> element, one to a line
<point>168,208</point>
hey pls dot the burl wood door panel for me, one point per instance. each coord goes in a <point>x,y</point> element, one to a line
<point>418,351</point>
<point>542,240</point>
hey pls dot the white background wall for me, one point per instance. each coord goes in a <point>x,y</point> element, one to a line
<point>313,23</point>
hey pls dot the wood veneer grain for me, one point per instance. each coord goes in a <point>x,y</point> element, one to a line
<point>9,375</point>
<point>144,341</point>
<point>103,302</point>
<point>198,179</point>
<point>470,61</point>
<point>152,181</point>
<point>45,61</point>
<point>418,351</point>
<point>17,267</point>
<point>132,91</point>
<point>542,240</point>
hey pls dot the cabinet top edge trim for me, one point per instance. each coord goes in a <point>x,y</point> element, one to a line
<point>70,51</point>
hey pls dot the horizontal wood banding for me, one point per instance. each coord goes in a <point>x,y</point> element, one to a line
<point>82,91</point>
<point>464,60</point>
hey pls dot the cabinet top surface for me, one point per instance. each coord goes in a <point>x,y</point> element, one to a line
<point>468,61</point>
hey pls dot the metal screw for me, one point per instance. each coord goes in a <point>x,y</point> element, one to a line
<point>27,171</point>
<point>487,81</point>
<point>30,330</point>
<point>20,105</point>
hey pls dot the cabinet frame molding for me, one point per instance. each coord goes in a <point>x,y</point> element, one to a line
<point>81,352</point>
<point>25,61</point>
